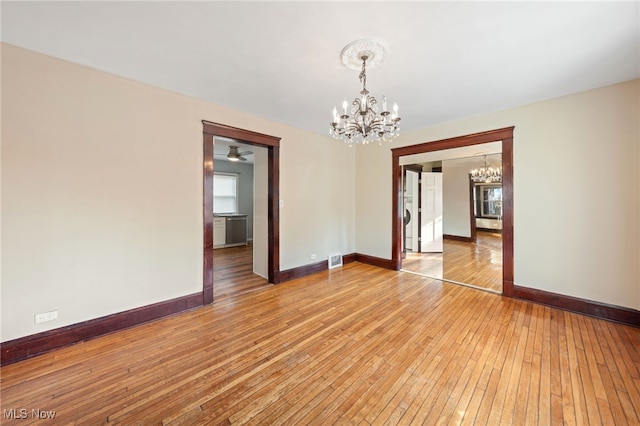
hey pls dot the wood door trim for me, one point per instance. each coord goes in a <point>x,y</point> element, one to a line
<point>259,139</point>
<point>419,236</point>
<point>456,142</point>
<point>506,136</point>
<point>472,215</point>
<point>272,144</point>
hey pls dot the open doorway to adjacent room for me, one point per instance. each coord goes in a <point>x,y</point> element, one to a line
<point>241,236</point>
<point>233,217</point>
<point>461,229</point>
<point>453,224</point>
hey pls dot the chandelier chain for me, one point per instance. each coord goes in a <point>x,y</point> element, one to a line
<point>363,75</point>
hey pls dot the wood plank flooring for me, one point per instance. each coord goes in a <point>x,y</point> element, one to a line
<point>478,264</point>
<point>355,345</point>
<point>233,272</point>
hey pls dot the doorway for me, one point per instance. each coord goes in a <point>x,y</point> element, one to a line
<point>468,222</point>
<point>412,205</point>
<point>268,237</point>
<point>235,190</point>
<point>505,136</point>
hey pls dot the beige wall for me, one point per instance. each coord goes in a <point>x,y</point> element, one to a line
<point>455,200</point>
<point>576,192</point>
<point>102,192</point>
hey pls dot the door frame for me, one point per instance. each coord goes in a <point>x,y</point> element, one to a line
<point>272,143</point>
<point>472,211</point>
<point>505,135</point>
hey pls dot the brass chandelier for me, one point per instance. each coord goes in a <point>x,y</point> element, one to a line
<point>366,123</point>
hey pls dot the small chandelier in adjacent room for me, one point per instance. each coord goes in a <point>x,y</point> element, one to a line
<point>366,123</point>
<point>486,174</point>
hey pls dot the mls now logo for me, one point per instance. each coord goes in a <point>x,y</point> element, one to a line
<point>15,413</point>
<point>23,413</point>
<point>42,414</point>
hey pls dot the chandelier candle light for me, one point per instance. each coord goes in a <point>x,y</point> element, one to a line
<point>486,174</point>
<point>365,124</point>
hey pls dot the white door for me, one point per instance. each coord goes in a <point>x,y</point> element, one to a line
<point>431,213</point>
<point>411,205</point>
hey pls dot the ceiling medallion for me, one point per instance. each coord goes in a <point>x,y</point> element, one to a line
<point>366,123</point>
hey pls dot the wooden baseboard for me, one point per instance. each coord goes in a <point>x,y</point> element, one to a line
<point>302,271</point>
<point>312,268</point>
<point>490,230</point>
<point>587,307</point>
<point>457,238</point>
<point>375,261</point>
<point>40,343</point>
<point>348,258</point>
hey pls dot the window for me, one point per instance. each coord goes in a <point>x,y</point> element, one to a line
<point>225,193</point>
<point>488,201</point>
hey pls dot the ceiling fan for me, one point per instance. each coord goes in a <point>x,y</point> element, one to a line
<point>234,155</point>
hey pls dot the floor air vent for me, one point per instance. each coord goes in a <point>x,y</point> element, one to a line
<point>335,260</point>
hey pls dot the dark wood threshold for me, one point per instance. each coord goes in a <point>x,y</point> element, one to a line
<point>582,306</point>
<point>40,343</point>
<point>457,238</point>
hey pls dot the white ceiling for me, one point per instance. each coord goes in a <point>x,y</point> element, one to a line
<point>281,60</point>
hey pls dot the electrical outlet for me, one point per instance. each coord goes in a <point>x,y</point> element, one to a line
<point>46,316</point>
<point>313,256</point>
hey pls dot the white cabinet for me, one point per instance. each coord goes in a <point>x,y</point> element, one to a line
<point>219,231</point>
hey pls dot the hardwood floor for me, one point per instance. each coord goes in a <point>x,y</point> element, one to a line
<point>353,345</point>
<point>233,272</point>
<point>478,264</point>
